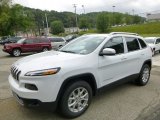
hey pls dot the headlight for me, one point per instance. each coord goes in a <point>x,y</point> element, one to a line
<point>43,72</point>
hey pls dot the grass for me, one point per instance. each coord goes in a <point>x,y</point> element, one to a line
<point>146,30</point>
<point>142,29</point>
<point>150,35</point>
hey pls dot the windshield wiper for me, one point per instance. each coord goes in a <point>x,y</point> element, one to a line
<point>67,51</point>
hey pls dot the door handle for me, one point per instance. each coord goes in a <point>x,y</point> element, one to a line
<point>142,54</point>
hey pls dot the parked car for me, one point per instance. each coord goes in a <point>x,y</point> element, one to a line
<point>10,40</point>
<point>68,78</point>
<point>154,43</point>
<point>27,45</point>
<point>57,42</point>
<point>69,38</point>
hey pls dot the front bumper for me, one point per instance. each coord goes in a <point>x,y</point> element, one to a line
<point>7,50</point>
<point>48,88</point>
<point>35,103</point>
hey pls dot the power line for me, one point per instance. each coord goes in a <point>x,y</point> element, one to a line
<point>75,6</point>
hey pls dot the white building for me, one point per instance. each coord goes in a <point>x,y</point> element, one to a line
<point>72,30</point>
<point>153,17</point>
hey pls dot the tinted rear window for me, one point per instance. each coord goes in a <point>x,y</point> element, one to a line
<point>44,40</point>
<point>132,44</point>
<point>143,44</point>
<point>56,39</point>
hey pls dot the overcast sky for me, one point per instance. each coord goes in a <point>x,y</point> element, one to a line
<point>139,6</point>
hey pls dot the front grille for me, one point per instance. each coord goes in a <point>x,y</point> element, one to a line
<point>15,73</point>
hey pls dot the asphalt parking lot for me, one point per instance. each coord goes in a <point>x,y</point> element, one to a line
<point>125,102</point>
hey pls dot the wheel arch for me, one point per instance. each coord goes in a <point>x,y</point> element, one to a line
<point>88,77</point>
<point>148,62</point>
<point>17,48</point>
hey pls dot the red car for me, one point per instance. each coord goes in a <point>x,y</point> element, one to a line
<point>28,45</point>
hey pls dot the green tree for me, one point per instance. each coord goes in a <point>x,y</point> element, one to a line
<point>102,23</point>
<point>136,19</point>
<point>83,24</point>
<point>57,27</point>
<point>5,17</point>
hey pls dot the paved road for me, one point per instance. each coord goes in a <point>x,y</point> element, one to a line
<point>125,102</point>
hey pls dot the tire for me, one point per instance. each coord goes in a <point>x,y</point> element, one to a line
<point>44,49</point>
<point>144,75</point>
<point>16,52</point>
<point>72,93</point>
<point>60,46</point>
<point>154,52</point>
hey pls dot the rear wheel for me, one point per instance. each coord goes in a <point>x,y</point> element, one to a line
<point>45,49</point>
<point>76,99</point>
<point>144,75</point>
<point>16,52</point>
<point>60,46</point>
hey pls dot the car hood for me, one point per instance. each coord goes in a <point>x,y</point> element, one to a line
<point>12,44</point>
<point>46,60</point>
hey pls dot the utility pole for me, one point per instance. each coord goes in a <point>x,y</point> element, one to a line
<point>75,6</point>
<point>133,11</point>
<point>83,9</point>
<point>47,30</point>
<point>113,14</point>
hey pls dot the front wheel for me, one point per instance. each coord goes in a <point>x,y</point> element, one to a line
<point>16,52</point>
<point>76,99</point>
<point>144,75</point>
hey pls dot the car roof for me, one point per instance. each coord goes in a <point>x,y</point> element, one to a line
<point>110,35</point>
<point>150,38</point>
<point>54,37</point>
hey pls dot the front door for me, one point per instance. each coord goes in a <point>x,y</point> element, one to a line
<point>111,67</point>
<point>28,46</point>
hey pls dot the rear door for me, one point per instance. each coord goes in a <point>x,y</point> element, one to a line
<point>38,42</point>
<point>133,61</point>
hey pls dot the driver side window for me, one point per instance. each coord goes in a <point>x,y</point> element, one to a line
<point>115,43</point>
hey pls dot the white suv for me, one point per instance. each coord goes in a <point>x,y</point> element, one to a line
<point>154,43</point>
<point>68,78</point>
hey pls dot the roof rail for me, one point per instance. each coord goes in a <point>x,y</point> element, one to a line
<point>127,33</point>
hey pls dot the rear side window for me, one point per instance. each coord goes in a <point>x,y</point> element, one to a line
<point>29,41</point>
<point>143,44</point>
<point>116,43</point>
<point>43,41</point>
<point>56,40</point>
<point>132,44</point>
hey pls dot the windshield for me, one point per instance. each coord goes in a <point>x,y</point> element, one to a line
<point>20,41</point>
<point>83,45</point>
<point>150,41</point>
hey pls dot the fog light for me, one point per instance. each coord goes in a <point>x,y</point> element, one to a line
<point>31,87</point>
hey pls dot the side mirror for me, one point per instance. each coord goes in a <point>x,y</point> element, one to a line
<point>107,51</point>
<point>24,42</point>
